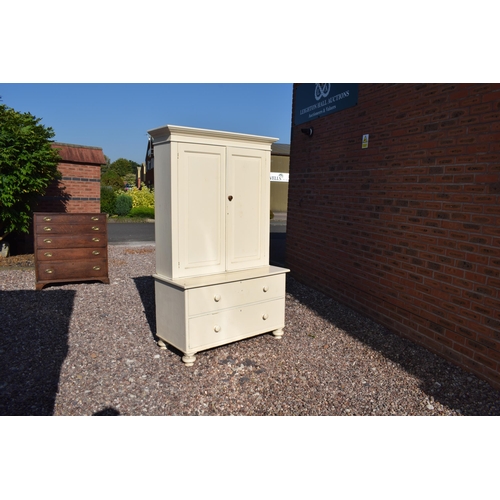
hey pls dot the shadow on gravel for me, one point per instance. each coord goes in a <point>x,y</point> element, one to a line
<point>107,412</point>
<point>146,287</point>
<point>439,379</point>
<point>34,328</point>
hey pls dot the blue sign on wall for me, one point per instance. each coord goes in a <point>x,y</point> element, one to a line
<point>313,100</point>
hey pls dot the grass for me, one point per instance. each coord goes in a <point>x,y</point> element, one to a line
<point>125,219</point>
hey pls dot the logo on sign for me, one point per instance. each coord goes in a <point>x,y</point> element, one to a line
<point>321,90</point>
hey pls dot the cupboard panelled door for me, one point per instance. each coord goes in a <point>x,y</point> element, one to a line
<point>201,177</point>
<point>247,201</point>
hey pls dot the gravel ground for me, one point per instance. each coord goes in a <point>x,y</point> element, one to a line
<point>89,349</point>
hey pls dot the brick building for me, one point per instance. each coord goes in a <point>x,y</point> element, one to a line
<point>394,210</point>
<point>79,189</point>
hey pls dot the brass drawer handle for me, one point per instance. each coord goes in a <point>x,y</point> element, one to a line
<point>49,271</point>
<point>265,316</point>
<point>47,219</point>
<point>265,289</point>
<point>46,240</point>
<point>96,268</point>
<point>96,239</point>
<point>48,254</point>
<point>95,228</point>
<point>94,218</point>
<point>47,228</point>
<point>216,328</point>
<point>95,252</point>
<point>216,298</point>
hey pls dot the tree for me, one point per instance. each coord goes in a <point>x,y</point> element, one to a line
<point>111,178</point>
<point>123,167</point>
<point>119,173</point>
<point>28,165</point>
<point>130,179</point>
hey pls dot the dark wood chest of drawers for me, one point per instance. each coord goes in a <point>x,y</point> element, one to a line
<point>70,247</point>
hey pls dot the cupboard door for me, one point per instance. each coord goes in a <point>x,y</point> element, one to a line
<point>201,180</point>
<point>247,208</point>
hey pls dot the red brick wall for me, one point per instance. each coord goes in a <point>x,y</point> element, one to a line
<point>408,230</point>
<point>79,190</point>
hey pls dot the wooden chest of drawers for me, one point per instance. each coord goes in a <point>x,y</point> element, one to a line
<point>195,314</point>
<point>70,247</point>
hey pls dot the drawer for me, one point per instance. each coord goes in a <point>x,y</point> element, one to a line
<point>226,295</point>
<point>57,254</point>
<point>60,270</point>
<point>234,324</point>
<point>53,228</point>
<point>68,241</point>
<point>60,218</point>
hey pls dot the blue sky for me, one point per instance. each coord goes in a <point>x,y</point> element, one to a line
<point>116,117</point>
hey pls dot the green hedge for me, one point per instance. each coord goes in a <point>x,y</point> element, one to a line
<point>145,212</point>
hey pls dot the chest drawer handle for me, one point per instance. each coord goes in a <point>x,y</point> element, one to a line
<point>47,228</point>
<point>94,218</point>
<point>216,328</point>
<point>96,239</point>
<point>95,252</point>
<point>95,228</point>
<point>96,268</point>
<point>47,219</point>
<point>265,289</point>
<point>216,298</point>
<point>265,316</point>
<point>46,240</point>
<point>48,254</point>
<point>49,271</point>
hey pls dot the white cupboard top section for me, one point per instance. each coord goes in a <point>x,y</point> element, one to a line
<point>175,133</point>
<point>212,196</point>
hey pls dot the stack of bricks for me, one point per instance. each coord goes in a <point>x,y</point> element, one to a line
<point>406,231</point>
<point>79,189</point>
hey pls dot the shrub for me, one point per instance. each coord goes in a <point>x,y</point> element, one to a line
<point>142,197</point>
<point>28,165</point>
<point>108,200</point>
<point>123,204</point>
<point>146,212</point>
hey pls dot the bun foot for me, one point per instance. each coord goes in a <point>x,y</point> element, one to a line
<point>278,333</point>
<point>189,359</point>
